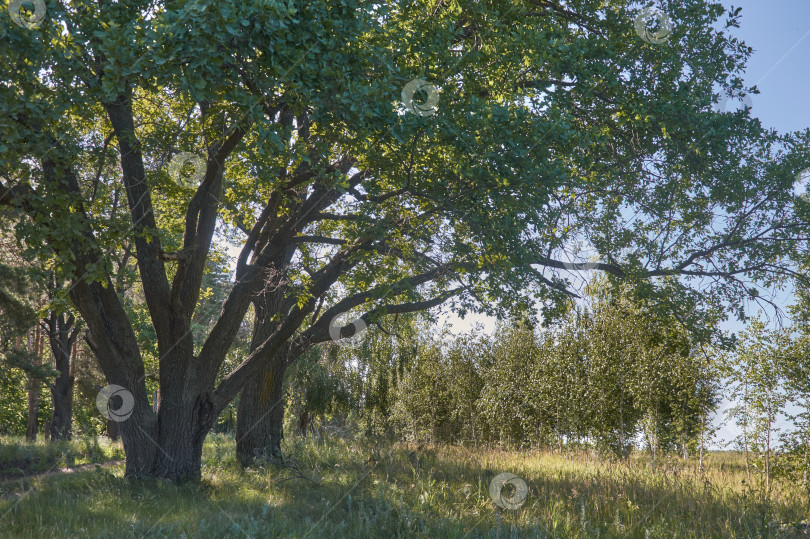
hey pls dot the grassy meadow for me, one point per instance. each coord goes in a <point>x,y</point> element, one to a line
<point>351,489</point>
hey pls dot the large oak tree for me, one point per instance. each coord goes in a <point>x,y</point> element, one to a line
<point>554,123</point>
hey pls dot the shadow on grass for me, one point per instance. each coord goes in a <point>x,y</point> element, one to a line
<point>354,490</point>
<point>20,458</point>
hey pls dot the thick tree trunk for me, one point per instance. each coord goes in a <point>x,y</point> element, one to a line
<point>112,430</point>
<point>260,418</point>
<point>166,443</point>
<point>61,423</point>
<point>168,446</point>
<point>62,336</point>
<point>169,451</point>
<point>180,440</point>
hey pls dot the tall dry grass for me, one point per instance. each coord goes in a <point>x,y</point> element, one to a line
<point>354,489</point>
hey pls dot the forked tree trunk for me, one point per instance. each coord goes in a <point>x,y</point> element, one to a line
<point>166,443</point>
<point>62,337</point>
<point>171,449</point>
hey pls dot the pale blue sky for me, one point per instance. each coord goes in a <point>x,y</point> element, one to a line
<point>779,32</point>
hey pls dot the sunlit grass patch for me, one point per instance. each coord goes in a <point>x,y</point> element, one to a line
<point>353,489</point>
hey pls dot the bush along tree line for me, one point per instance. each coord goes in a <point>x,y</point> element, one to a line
<point>379,159</point>
<point>606,376</point>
